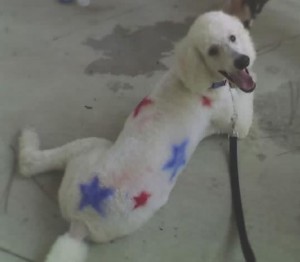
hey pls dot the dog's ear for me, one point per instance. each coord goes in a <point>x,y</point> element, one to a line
<point>191,67</point>
<point>245,10</point>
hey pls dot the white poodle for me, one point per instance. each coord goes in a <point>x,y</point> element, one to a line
<point>109,190</point>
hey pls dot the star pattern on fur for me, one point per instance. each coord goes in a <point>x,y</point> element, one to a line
<point>145,102</point>
<point>94,194</point>
<point>177,160</point>
<point>141,200</point>
<point>206,101</point>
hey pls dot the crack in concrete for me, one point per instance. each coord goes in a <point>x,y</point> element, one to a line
<point>297,150</point>
<point>277,113</point>
<point>268,48</point>
<point>8,187</point>
<point>41,188</point>
<point>7,251</point>
<point>294,97</point>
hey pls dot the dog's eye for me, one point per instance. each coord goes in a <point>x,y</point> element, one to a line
<point>213,50</point>
<point>232,38</point>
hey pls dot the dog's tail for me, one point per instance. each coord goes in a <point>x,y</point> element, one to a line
<point>68,249</point>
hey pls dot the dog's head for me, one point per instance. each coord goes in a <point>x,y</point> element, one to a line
<point>216,47</point>
<point>245,10</point>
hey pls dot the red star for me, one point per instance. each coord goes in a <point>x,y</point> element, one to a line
<point>141,199</point>
<point>206,101</point>
<point>145,102</point>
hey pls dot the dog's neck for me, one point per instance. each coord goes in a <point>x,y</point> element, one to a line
<point>173,77</point>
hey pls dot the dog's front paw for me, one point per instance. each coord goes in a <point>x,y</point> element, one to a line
<point>242,133</point>
<point>242,129</point>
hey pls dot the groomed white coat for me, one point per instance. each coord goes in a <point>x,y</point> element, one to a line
<point>110,189</point>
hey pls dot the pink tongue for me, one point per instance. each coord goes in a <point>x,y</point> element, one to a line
<point>243,80</point>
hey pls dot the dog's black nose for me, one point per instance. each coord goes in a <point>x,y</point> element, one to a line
<point>241,62</point>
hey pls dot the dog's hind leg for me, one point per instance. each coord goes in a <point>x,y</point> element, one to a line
<point>32,160</point>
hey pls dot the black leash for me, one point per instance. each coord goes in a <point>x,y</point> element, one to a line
<point>237,201</point>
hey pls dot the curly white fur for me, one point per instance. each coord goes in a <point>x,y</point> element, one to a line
<point>180,111</point>
<point>67,249</point>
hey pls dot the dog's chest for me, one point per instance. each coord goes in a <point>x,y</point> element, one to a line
<point>222,110</point>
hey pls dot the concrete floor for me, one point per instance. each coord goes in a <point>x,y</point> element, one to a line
<point>74,72</point>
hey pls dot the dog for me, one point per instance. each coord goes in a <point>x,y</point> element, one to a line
<point>110,189</point>
<point>245,10</point>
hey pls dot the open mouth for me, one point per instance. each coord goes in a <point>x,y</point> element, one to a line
<point>241,79</point>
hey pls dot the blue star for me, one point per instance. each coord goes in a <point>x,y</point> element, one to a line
<point>177,160</point>
<point>92,194</point>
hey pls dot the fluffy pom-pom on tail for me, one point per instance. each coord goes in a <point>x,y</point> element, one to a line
<point>68,249</point>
